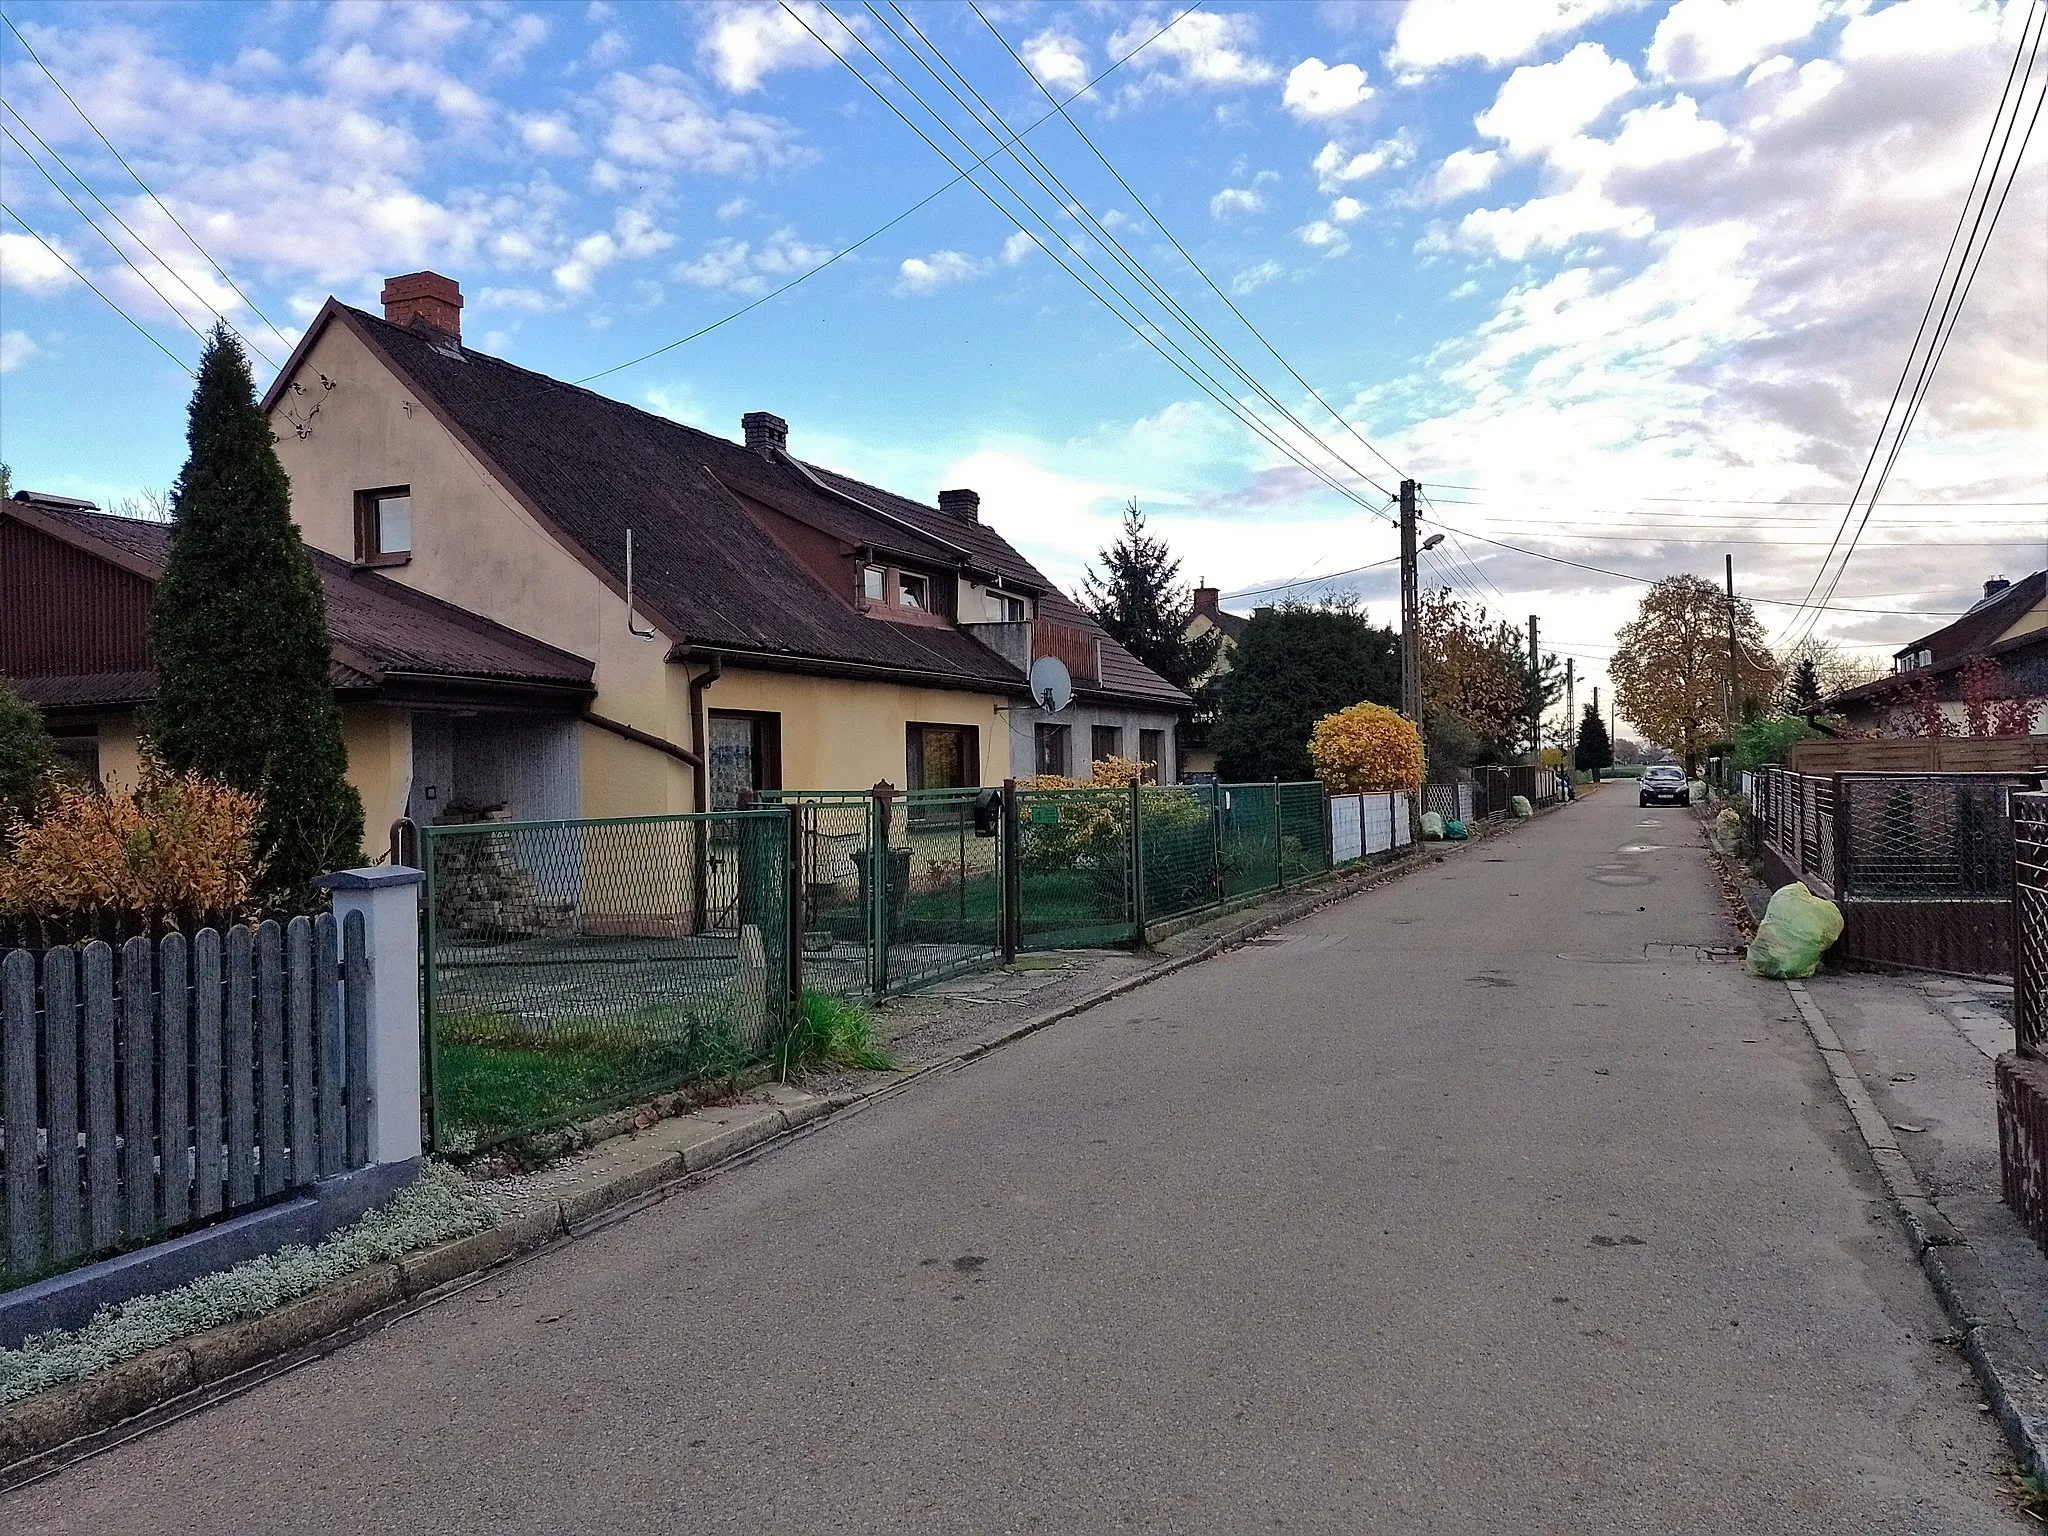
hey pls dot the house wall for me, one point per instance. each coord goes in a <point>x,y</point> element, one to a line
<point>1082,717</point>
<point>378,740</point>
<point>845,734</point>
<point>120,749</point>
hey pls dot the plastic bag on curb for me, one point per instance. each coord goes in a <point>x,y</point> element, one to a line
<point>1454,831</point>
<point>1520,808</point>
<point>1797,926</point>
<point>1432,825</point>
<point>1728,830</point>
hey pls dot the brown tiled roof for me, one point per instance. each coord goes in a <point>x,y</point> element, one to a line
<point>382,630</point>
<point>705,567</point>
<point>1983,623</point>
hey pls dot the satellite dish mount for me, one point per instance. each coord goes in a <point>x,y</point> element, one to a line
<point>1052,688</point>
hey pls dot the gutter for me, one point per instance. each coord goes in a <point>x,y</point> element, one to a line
<point>635,734</point>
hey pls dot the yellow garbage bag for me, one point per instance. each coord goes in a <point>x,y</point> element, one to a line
<point>1797,926</point>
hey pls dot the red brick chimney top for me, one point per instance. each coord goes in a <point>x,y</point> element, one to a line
<point>1208,600</point>
<point>424,299</point>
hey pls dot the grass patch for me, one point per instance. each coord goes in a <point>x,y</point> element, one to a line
<point>832,1031</point>
<point>438,1206</point>
<point>2028,1494</point>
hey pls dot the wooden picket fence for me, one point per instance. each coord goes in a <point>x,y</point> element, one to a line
<point>194,1079</point>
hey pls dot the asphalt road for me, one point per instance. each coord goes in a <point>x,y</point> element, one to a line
<point>1456,1210</point>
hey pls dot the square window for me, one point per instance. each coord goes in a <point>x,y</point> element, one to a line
<point>1008,609</point>
<point>912,591</point>
<point>1105,741</point>
<point>942,756</point>
<point>384,526</point>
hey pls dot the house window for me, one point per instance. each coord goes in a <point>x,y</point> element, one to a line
<point>1055,753</point>
<point>384,526</point>
<point>746,753</point>
<point>874,583</point>
<point>1152,753</point>
<point>912,591</point>
<point>1105,741</point>
<point>942,756</point>
<point>1007,609</point>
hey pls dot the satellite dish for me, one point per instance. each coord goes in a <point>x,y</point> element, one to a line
<point>1052,689</point>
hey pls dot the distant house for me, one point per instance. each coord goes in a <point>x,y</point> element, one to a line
<point>2008,626</point>
<point>787,626</point>
<point>1209,618</point>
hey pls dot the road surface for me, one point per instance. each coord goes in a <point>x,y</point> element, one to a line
<point>1477,1203</point>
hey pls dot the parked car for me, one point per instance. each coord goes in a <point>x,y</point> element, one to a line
<point>1663,784</point>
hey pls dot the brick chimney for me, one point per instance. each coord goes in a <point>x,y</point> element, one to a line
<point>1209,601</point>
<point>1995,585</point>
<point>765,432</point>
<point>425,300</point>
<point>965,505</point>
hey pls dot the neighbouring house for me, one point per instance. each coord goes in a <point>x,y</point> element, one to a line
<point>701,616</point>
<point>1209,618</point>
<point>2007,627</point>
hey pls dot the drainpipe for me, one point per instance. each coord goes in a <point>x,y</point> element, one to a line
<point>700,774</point>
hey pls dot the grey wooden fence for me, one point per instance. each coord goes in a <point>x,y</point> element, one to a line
<point>176,1082</point>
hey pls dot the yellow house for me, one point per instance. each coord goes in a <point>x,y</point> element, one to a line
<point>733,616</point>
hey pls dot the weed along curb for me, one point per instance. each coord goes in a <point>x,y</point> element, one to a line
<point>2008,1381</point>
<point>618,1176</point>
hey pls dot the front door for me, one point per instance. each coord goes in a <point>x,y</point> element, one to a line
<point>744,755</point>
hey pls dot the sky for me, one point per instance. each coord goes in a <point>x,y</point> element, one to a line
<point>1625,285</point>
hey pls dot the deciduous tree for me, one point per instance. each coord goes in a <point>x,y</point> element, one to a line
<point>1671,669</point>
<point>1474,682</point>
<point>1291,667</point>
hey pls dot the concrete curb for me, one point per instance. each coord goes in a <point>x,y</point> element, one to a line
<point>1951,1265</point>
<point>40,1434</point>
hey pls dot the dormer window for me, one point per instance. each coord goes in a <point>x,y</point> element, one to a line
<point>912,591</point>
<point>1007,609</point>
<point>384,526</point>
<point>874,583</point>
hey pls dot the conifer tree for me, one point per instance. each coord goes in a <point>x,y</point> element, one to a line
<point>1803,693</point>
<point>1140,601</point>
<point>1594,750</point>
<point>239,629</point>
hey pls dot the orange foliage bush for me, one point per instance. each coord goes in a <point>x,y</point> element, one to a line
<point>1366,747</point>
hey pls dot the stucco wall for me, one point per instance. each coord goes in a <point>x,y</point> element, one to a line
<point>844,734</point>
<point>379,745</point>
<point>1083,717</point>
<point>120,756</point>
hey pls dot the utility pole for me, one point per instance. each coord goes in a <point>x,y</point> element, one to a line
<point>1411,612</point>
<point>1734,658</point>
<point>1571,716</point>
<point>1535,695</point>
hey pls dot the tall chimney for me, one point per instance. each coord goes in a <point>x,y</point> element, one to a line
<point>965,505</point>
<point>1209,600</point>
<point>765,432</point>
<point>425,300</point>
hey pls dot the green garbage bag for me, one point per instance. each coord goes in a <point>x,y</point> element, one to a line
<point>1520,808</point>
<point>1797,926</point>
<point>1454,831</point>
<point>1432,825</point>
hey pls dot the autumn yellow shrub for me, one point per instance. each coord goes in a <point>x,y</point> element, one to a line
<point>173,849</point>
<point>1366,747</point>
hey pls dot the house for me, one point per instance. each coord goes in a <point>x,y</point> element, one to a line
<point>2007,626</point>
<point>1209,618</point>
<point>721,615</point>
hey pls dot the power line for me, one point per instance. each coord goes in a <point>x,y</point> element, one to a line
<point>280,335</point>
<point>66,167</point>
<point>878,232</point>
<point>117,309</point>
<point>1732,501</point>
<point>1310,581</point>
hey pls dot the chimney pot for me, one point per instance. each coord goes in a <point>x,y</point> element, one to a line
<point>425,300</point>
<point>965,505</point>
<point>1995,585</point>
<point>765,432</point>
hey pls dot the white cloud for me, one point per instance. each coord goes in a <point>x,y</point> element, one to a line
<point>25,263</point>
<point>732,208</point>
<point>752,267</point>
<point>1232,201</point>
<point>1251,279</point>
<point>1018,247</point>
<point>15,349</point>
<point>1203,48</point>
<point>1714,39</point>
<point>743,43</point>
<point>549,134</point>
<point>526,33</point>
<point>658,123</point>
<point>1317,90</point>
<point>633,235</point>
<point>1322,235</point>
<point>1463,171</point>
<point>1540,105</point>
<point>1434,33</point>
<point>1346,209</point>
<point>925,274</point>
<point>1551,223</point>
<point>1057,58</point>
<point>1336,167</point>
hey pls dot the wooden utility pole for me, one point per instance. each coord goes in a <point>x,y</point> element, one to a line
<point>1734,659</point>
<point>1535,695</point>
<point>1571,715</point>
<point>1411,612</point>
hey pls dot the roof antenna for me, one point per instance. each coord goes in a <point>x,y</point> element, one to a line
<point>632,628</point>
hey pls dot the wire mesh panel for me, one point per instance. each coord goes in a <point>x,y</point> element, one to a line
<point>1179,843</point>
<point>1927,837</point>
<point>574,966</point>
<point>1444,799</point>
<point>1074,858</point>
<point>945,911</point>
<point>1249,834</point>
<point>2030,922</point>
<point>1302,812</point>
<point>833,832</point>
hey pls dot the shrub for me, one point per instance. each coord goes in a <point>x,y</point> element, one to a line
<point>1769,741</point>
<point>1366,747</point>
<point>175,850</point>
<point>28,758</point>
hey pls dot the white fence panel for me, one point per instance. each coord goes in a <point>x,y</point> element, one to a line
<point>1346,836</point>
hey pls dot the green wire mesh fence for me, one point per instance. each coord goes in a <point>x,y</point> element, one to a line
<point>574,967</point>
<point>1075,881</point>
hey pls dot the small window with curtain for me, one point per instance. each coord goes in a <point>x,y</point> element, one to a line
<point>384,526</point>
<point>913,592</point>
<point>1054,753</point>
<point>942,756</point>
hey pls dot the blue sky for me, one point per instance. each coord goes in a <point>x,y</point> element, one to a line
<point>1553,257</point>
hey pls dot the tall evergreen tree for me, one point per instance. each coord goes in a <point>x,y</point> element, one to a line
<point>1803,692</point>
<point>1594,750</point>
<point>1141,601</point>
<point>1291,667</point>
<point>240,634</point>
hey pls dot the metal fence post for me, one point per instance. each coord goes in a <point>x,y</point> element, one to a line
<point>1138,864</point>
<point>1012,882</point>
<point>1217,795</point>
<point>878,894</point>
<point>793,902</point>
<point>1279,842</point>
<point>1841,849</point>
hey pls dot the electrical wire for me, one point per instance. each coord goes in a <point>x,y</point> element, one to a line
<point>280,335</point>
<point>146,334</point>
<point>1309,581</point>
<point>879,231</point>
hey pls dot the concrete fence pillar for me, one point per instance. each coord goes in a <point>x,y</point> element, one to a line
<point>388,898</point>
